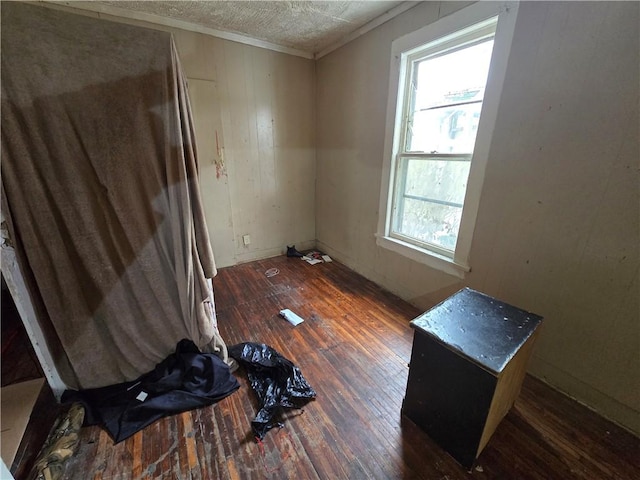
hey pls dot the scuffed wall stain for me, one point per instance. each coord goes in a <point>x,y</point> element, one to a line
<point>218,161</point>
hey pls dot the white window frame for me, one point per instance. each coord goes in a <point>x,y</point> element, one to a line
<point>401,48</point>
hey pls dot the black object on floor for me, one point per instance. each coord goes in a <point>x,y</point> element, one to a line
<point>468,362</point>
<point>292,252</point>
<point>185,380</point>
<point>278,383</point>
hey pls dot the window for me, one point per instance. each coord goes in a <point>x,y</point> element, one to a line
<point>441,112</point>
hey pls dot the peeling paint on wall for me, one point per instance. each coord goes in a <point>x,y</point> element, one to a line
<point>221,170</point>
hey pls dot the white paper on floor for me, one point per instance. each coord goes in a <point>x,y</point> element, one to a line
<point>291,317</point>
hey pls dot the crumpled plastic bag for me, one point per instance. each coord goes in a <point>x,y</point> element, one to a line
<point>278,383</point>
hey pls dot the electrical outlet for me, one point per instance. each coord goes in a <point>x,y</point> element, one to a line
<point>246,239</point>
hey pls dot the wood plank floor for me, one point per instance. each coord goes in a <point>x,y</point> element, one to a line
<point>18,362</point>
<point>353,349</point>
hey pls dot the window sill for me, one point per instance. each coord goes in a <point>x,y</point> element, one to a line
<point>425,257</point>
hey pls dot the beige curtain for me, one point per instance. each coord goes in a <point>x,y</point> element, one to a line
<point>100,188</point>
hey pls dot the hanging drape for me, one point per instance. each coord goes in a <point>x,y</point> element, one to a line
<point>100,190</point>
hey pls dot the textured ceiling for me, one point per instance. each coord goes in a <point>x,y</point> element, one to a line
<point>309,26</point>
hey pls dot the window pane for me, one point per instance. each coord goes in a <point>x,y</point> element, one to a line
<point>444,181</point>
<point>445,81</point>
<point>445,129</point>
<point>430,222</point>
<point>454,77</point>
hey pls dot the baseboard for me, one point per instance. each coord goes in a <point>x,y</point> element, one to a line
<point>604,405</point>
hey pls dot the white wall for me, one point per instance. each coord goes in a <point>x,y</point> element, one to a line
<point>558,225</point>
<point>254,115</point>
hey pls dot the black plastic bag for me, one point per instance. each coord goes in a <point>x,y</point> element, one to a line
<point>278,383</point>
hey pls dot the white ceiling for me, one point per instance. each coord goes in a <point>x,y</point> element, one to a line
<point>307,28</point>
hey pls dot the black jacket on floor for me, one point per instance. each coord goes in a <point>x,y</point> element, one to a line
<point>185,380</point>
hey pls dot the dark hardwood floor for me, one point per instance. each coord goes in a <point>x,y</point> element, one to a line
<point>353,348</point>
<point>20,364</point>
<point>19,361</point>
